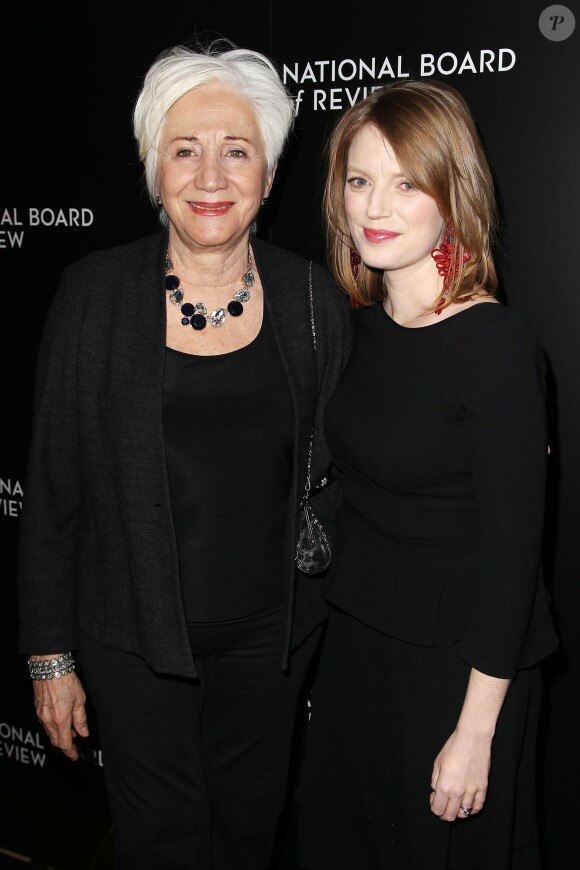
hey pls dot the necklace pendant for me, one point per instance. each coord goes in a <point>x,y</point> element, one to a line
<point>248,279</point>
<point>200,308</point>
<point>217,317</point>
<point>175,291</point>
<point>242,295</point>
<point>235,308</point>
<point>198,322</point>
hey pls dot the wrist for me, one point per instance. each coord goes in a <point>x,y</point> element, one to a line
<point>51,667</point>
<point>481,730</point>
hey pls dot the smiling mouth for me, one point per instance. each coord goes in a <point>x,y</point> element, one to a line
<point>210,207</point>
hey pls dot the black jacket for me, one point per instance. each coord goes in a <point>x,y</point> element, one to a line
<point>97,549</point>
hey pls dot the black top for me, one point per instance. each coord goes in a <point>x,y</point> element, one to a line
<point>439,438</point>
<point>229,426</point>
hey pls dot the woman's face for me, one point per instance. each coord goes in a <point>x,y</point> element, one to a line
<point>394,225</point>
<point>212,172</point>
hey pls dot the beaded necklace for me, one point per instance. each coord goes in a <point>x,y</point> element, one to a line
<point>196,315</point>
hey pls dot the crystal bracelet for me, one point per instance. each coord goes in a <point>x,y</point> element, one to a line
<point>48,669</point>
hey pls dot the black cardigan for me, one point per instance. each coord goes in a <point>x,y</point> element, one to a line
<point>97,549</point>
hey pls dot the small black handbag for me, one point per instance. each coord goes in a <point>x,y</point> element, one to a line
<point>313,552</point>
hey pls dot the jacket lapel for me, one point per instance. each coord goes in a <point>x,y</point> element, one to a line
<point>137,366</point>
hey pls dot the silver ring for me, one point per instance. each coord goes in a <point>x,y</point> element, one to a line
<point>465,811</point>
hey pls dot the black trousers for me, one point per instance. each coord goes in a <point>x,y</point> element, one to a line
<point>197,770</point>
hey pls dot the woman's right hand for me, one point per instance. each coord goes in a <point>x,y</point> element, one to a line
<point>60,707</point>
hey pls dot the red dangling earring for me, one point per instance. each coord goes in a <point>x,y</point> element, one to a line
<point>448,262</point>
<point>355,261</point>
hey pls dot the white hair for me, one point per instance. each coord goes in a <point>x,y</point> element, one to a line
<point>179,69</point>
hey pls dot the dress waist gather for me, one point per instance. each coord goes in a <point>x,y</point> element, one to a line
<point>460,535</point>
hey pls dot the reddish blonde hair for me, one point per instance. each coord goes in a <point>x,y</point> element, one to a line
<point>433,135</point>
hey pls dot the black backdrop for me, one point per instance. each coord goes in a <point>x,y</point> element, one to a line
<point>70,183</point>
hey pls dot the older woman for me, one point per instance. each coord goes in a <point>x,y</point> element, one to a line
<point>421,744</point>
<point>178,387</point>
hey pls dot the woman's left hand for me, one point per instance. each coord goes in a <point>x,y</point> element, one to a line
<point>460,777</point>
<point>461,770</point>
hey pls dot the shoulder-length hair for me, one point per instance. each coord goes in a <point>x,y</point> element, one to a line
<point>180,69</point>
<point>433,135</point>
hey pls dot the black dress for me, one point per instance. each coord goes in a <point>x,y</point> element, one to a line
<point>439,439</point>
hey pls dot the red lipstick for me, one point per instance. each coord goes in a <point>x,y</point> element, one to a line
<point>379,235</point>
<point>210,209</point>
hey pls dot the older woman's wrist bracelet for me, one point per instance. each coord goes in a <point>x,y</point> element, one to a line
<point>48,669</point>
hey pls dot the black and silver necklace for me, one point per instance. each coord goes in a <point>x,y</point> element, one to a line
<point>196,315</point>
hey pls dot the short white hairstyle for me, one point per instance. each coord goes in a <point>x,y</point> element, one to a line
<point>179,69</point>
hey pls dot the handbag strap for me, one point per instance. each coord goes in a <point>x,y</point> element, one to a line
<point>311,304</point>
<point>307,484</point>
